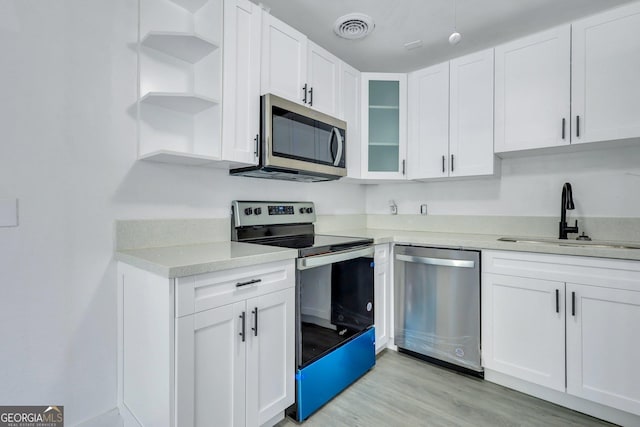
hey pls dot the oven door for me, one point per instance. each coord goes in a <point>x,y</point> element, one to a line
<point>334,296</point>
<point>299,138</point>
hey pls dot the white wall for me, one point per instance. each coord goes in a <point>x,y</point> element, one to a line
<point>67,151</point>
<point>605,183</point>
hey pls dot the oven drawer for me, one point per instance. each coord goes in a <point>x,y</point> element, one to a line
<point>205,291</point>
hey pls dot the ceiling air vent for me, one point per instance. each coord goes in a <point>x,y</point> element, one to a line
<point>353,26</point>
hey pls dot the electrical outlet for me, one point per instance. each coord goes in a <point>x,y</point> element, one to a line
<point>423,209</point>
<point>393,207</point>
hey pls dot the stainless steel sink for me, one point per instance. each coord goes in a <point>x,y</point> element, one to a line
<point>572,243</point>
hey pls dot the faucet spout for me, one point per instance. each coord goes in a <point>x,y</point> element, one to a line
<point>566,204</point>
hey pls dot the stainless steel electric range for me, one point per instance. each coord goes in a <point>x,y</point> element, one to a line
<point>335,336</point>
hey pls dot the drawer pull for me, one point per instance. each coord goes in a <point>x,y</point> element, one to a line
<point>242,332</point>
<point>250,282</point>
<point>255,321</point>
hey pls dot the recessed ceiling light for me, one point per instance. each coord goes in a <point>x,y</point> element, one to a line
<point>353,26</point>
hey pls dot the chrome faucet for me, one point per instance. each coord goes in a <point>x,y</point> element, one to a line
<point>567,203</point>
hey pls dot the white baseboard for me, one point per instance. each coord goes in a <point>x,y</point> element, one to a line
<point>563,399</point>
<point>110,418</point>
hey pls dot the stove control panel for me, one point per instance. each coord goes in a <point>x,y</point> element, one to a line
<point>281,210</point>
<point>252,213</point>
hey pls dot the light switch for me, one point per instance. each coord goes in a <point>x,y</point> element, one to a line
<point>8,212</point>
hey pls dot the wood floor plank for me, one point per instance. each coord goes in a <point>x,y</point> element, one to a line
<point>404,391</point>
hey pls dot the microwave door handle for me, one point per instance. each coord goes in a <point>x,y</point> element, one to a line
<point>331,135</point>
<point>338,157</point>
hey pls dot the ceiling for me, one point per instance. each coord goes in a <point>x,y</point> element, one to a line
<point>482,23</point>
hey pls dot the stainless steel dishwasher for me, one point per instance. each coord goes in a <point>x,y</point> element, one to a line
<point>437,305</point>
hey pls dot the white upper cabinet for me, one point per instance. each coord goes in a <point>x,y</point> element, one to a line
<point>532,91</point>
<point>428,145</point>
<point>384,126</point>
<point>323,80</point>
<point>471,115</point>
<point>297,69</point>
<point>350,113</point>
<point>241,113</point>
<point>451,118</point>
<point>284,60</point>
<point>573,84</point>
<point>605,69</point>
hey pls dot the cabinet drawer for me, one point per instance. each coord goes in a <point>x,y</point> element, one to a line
<point>206,291</point>
<point>603,272</point>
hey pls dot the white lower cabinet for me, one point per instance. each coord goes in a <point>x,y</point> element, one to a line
<point>236,361</point>
<point>211,368</point>
<point>382,296</point>
<point>603,345</point>
<point>211,349</point>
<point>530,300</point>
<point>523,329</point>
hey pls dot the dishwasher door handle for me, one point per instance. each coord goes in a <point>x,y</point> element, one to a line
<point>462,263</point>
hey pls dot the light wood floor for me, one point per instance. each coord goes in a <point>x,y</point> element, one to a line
<point>404,391</point>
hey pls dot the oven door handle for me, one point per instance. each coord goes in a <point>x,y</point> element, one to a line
<point>463,263</point>
<point>319,260</point>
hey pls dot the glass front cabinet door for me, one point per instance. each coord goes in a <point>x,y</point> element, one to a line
<point>384,126</point>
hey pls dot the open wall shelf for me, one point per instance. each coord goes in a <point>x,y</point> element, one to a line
<point>190,47</point>
<point>189,103</point>
<point>180,75</point>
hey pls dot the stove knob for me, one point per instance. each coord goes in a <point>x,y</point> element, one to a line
<point>257,211</point>
<point>248,211</point>
<point>309,210</point>
<point>301,210</point>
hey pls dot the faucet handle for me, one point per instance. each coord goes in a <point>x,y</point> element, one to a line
<point>573,229</point>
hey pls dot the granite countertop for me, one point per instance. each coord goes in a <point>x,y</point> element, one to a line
<point>178,261</point>
<point>489,241</point>
<point>187,260</point>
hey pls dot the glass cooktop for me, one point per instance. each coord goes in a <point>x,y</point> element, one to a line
<point>310,244</point>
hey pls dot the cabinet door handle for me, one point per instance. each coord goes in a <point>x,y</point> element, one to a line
<point>564,122</point>
<point>310,97</point>
<point>248,282</point>
<point>257,141</point>
<point>243,317</point>
<point>443,163</point>
<point>404,164</point>
<point>578,126</point>
<point>573,303</point>
<point>452,169</point>
<point>557,300</point>
<point>304,89</point>
<point>255,321</point>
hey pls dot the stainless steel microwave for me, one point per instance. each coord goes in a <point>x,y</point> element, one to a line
<point>297,143</point>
